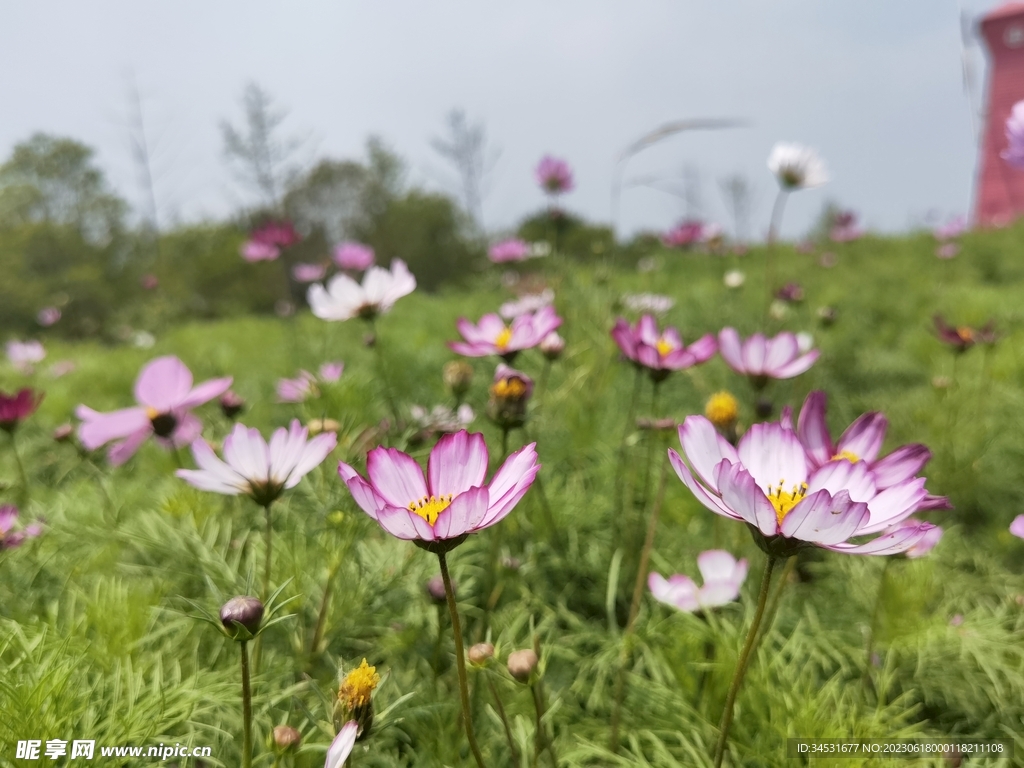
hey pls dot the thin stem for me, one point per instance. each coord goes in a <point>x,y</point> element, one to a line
<point>645,553</point>
<point>773,605</point>
<point>541,740</point>
<point>773,231</point>
<point>266,565</point>
<point>21,467</point>
<point>875,615</point>
<point>382,372</point>
<point>620,458</point>
<point>246,710</point>
<point>321,618</point>
<point>504,722</point>
<point>460,660</point>
<point>504,444</point>
<point>741,666</point>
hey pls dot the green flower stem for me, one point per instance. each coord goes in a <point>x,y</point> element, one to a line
<point>541,740</point>
<point>620,458</point>
<point>741,665</point>
<point>382,372</point>
<point>645,553</point>
<point>321,618</point>
<point>246,709</point>
<point>504,722</point>
<point>875,615</point>
<point>773,604</point>
<point>460,660</point>
<point>269,548</point>
<point>773,233</point>
<point>21,467</point>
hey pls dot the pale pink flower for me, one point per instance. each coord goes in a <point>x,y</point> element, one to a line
<point>660,352</point>
<point>527,304</point>
<point>308,273</point>
<point>685,234</point>
<point>330,372</point>
<point>166,398</point>
<point>344,298</point>
<point>48,316</point>
<point>509,250</point>
<point>761,358</point>
<point>492,337</point>
<point>723,576</point>
<point>554,175</point>
<point>254,468</point>
<point>297,390</point>
<point>453,500</point>
<point>254,250</point>
<point>25,354</point>
<point>796,166</point>
<point>354,256</point>
<point>952,229</point>
<point>926,543</point>
<point>1017,526</point>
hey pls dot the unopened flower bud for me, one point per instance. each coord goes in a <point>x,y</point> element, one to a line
<point>355,698</point>
<point>510,392</point>
<point>231,404</point>
<point>317,426</point>
<point>435,590</point>
<point>244,611</point>
<point>827,315</point>
<point>63,433</point>
<point>521,664</point>
<point>286,738</point>
<point>480,654</point>
<point>458,375</point>
<point>552,346</point>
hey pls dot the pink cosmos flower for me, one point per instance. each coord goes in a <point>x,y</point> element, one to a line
<point>492,337</point>
<point>861,442</point>
<point>149,281</point>
<point>342,745</point>
<point>254,250</point>
<point>254,468</point>
<point>344,298</point>
<point>355,256</point>
<point>297,390</point>
<point>9,538</point>
<point>15,408</point>
<point>845,227</point>
<point>685,234</point>
<point>25,354</point>
<point>453,501</point>
<point>947,250</point>
<point>48,316</point>
<point>723,576</point>
<point>308,273</point>
<point>762,359</point>
<point>1017,526</point>
<point>769,482</point>
<point>952,229</point>
<point>277,233</point>
<point>660,352</point>
<point>509,250</point>
<point>330,372</point>
<point>1014,152</point>
<point>527,304</point>
<point>554,175</point>
<point>166,396</point>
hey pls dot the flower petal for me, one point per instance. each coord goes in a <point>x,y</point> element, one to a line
<point>741,494</point>
<point>773,455</point>
<point>893,543</point>
<point>865,436</point>
<point>463,515</point>
<point>714,503</point>
<point>510,483</point>
<point>731,349</point>
<point>99,428</point>
<point>163,383</point>
<point>813,430</point>
<point>396,476</point>
<point>704,447</point>
<point>902,464</point>
<point>404,524</point>
<point>120,452</point>
<point>679,592</point>
<point>205,392</point>
<point>342,745</point>
<point>367,499</point>
<point>824,519</point>
<point>457,463</point>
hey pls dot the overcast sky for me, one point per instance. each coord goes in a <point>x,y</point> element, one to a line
<point>875,85</point>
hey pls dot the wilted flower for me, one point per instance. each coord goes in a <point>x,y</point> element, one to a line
<point>769,482</point>
<point>761,359</point>
<point>254,468</point>
<point>344,298</point>
<point>527,304</point>
<point>552,346</point>
<point>166,397</point>
<point>453,501</point>
<point>492,337</point>
<point>734,278</point>
<point>509,394</point>
<point>796,166</point>
<point>964,337</point>
<point>1014,152</point>
<point>458,376</point>
<point>513,249</point>
<point>231,404</point>
<point>243,611</point>
<point>723,576</point>
<point>354,256</point>
<point>308,273</point>
<point>791,292</point>
<point>660,352</point>
<point>15,408</point>
<point>48,316</point>
<point>521,664</point>
<point>9,538</point>
<point>648,302</point>
<point>342,745</point>
<point>554,175</point>
<point>25,354</point>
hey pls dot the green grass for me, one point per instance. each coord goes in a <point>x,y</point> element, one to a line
<point>97,639</point>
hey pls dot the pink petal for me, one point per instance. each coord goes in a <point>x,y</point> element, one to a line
<point>396,477</point>
<point>824,519</point>
<point>780,351</point>
<point>813,430</point>
<point>186,430</point>
<point>797,367</point>
<point>361,491</point>
<point>704,447</point>
<point>680,592</point>
<point>893,543</point>
<point>716,565</point>
<point>902,464</point>
<point>463,515</point>
<point>457,463</point>
<point>894,504</point>
<point>755,350</point>
<point>404,524</point>
<point>864,437</point>
<point>741,494</point>
<point>119,453</point>
<point>1017,526</point>
<point>206,392</point>
<point>840,475</point>
<point>773,455</point>
<point>103,427</point>
<point>510,483</point>
<point>731,349</point>
<point>342,745</point>
<point>163,383</point>
<point>711,502</point>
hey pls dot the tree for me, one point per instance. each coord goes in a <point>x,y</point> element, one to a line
<point>465,149</point>
<point>53,180</point>
<point>259,156</point>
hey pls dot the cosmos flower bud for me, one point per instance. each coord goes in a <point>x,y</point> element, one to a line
<point>317,426</point>
<point>355,698</point>
<point>480,654</point>
<point>458,376</point>
<point>552,346</point>
<point>521,664</point>
<point>435,590</point>
<point>286,738</point>
<point>231,404</point>
<point>63,433</point>
<point>510,393</point>
<point>242,611</point>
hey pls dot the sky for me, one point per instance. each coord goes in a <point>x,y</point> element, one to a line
<point>875,86</point>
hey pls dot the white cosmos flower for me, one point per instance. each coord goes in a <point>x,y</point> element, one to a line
<point>254,468</point>
<point>796,166</point>
<point>344,298</point>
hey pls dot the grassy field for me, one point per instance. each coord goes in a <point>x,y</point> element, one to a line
<point>98,638</point>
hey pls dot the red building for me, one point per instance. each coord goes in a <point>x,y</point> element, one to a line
<point>999,195</point>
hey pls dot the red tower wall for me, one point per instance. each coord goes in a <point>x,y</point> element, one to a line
<point>999,196</point>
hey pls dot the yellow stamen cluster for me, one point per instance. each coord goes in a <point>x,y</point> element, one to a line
<point>664,346</point>
<point>358,686</point>
<point>152,413</point>
<point>722,409</point>
<point>784,501</point>
<point>850,456</point>
<point>429,507</point>
<point>509,389</point>
<point>503,338</point>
